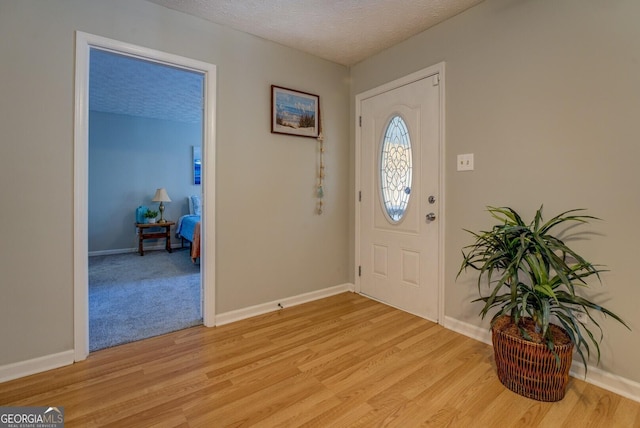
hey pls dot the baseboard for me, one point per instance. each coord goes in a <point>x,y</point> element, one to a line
<point>134,250</point>
<point>54,361</point>
<point>598,377</point>
<point>595,376</point>
<point>252,311</point>
<point>36,365</point>
<point>473,331</point>
<point>112,252</point>
<point>605,380</point>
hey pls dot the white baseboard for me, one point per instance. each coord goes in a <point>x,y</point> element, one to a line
<point>252,311</point>
<point>605,380</point>
<point>616,384</point>
<point>134,250</point>
<point>36,365</point>
<point>112,252</point>
<point>473,331</point>
<point>48,362</point>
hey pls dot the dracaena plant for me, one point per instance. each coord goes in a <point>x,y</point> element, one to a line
<point>530,272</point>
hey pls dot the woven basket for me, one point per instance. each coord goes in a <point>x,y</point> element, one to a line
<point>531,369</point>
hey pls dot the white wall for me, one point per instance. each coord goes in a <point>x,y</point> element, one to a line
<point>270,242</point>
<point>545,94</point>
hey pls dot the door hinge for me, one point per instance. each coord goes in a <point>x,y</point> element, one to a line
<point>359,195</point>
<point>360,120</point>
<point>436,80</point>
<point>359,270</point>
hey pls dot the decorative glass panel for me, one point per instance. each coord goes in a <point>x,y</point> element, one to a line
<point>395,169</point>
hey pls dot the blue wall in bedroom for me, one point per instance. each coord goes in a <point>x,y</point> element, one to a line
<point>129,158</point>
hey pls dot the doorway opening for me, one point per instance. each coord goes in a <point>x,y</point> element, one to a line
<point>145,124</point>
<point>85,43</point>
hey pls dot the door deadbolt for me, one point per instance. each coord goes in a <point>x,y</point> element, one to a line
<point>432,199</point>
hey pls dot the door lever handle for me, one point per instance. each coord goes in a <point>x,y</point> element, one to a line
<point>431,217</point>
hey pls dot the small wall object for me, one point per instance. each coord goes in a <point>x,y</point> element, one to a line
<point>140,212</point>
<point>294,112</point>
<point>197,164</point>
<point>319,188</point>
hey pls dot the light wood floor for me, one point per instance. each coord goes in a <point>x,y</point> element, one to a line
<point>344,361</point>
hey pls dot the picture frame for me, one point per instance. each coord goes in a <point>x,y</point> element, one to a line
<point>197,164</point>
<point>294,112</point>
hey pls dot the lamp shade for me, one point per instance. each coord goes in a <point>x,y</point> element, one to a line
<point>161,196</point>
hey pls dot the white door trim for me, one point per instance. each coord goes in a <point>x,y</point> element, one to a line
<point>84,42</point>
<point>438,69</point>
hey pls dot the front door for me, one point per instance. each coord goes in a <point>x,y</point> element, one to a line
<point>400,158</point>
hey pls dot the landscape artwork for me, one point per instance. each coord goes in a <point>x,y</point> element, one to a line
<point>294,112</point>
<point>197,164</point>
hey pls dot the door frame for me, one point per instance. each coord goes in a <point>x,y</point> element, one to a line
<point>84,42</point>
<point>437,69</point>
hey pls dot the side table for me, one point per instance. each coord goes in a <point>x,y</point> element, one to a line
<point>144,232</point>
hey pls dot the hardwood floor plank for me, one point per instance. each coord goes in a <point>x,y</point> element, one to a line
<point>301,412</point>
<point>627,415</point>
<point>343,361</point>
<point>243,411</point>
<point>449,388</point>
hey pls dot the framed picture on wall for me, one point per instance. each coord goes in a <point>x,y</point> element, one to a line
<point>197,164</point>
<point>294,112</point>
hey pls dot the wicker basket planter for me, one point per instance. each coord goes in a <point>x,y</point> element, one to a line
<point>528,368</point>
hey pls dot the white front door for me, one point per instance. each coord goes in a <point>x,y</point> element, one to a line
<point>399,177</point>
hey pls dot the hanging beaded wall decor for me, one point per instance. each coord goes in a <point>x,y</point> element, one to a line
<point>320,189</point>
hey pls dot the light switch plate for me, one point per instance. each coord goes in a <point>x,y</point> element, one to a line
<point>465,162</point>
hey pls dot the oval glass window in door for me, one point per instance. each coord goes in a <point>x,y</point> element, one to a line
<point>395,169</point>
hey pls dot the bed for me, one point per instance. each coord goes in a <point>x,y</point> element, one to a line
<point>188,227</point>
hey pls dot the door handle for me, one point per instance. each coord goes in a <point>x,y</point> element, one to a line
<point>431,217</point>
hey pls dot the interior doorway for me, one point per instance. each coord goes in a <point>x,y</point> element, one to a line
<point>400,193</point>
<point>84,44</point>
<point>145,125</point>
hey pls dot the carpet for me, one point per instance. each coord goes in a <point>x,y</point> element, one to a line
<point>133,297</point>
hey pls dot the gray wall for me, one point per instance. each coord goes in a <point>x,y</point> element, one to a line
<point>545,94</point>
<point>129,158</point>
<point>270,243</point>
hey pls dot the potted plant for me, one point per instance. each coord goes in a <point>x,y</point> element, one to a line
<point>532,278</point>
<point>151,215</point>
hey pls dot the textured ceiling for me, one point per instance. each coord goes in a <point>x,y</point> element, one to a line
<point>124,85</point>
<point>342,31</point>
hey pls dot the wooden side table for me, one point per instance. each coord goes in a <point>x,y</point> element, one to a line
<point>145,233</point>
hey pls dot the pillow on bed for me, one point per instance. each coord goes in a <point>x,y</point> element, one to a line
<point>196,205</point>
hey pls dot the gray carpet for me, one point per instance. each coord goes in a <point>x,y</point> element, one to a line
<point>133,297</point>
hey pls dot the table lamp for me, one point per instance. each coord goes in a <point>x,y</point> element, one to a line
<point>162,197</point>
